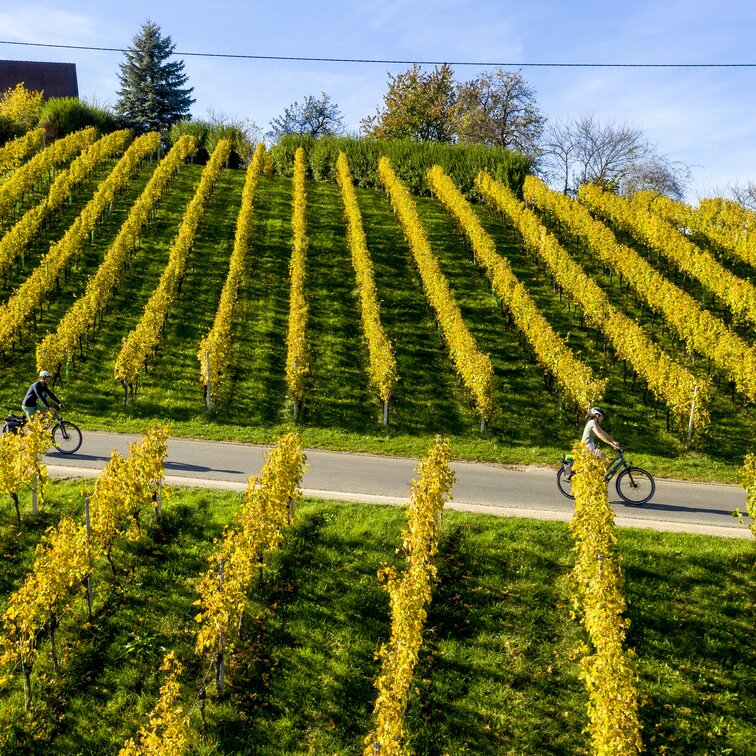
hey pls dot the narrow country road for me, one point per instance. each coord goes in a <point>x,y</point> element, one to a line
<point>484,488</point>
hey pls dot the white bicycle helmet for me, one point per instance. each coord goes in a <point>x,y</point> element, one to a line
<point>597,411</point>
<point>45,374</point>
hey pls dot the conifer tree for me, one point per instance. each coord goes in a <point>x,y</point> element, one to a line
<point>153,95</point>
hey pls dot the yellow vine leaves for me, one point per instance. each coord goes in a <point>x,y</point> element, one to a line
<point>265,514</point>
<point>597,582</point>
<point>33,291</point>
<point>142,342</point>
<point>168,731</point>
<point>383,371</point>
<point>217,344</point>
<point>410,595</point>
<point>575,378</point>
<point>701,331</point>
<point>737,294</point>
<point>670,382</point>
<point>297,366</point>
<point>59,347</point>
<point>472,365</point>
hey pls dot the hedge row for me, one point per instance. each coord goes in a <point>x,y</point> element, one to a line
<point>409,159</point>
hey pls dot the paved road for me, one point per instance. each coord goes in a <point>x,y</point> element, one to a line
<point>486,488</point>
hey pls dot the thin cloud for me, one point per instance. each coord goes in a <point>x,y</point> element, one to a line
<point>35,23</point>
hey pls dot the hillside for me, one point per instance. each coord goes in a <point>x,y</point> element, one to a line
<point>341,410</point>
<point>277,608</point>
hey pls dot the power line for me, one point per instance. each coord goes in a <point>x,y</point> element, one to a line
<point>482,64</point>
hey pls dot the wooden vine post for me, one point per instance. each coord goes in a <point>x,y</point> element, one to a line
<point>88,523</point>
<point>296,403</point>
<point>692,413</point>
<point>220,662</point>
<point>208,400</point>
<point>26,669</point>
<point>159,499</point>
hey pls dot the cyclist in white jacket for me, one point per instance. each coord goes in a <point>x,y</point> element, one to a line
<point>593,430</point>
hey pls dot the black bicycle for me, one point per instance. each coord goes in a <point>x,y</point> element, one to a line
<point>634,484</point>
<point>66,437</point>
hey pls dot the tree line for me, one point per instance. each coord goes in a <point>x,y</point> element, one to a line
<point>497,108</point>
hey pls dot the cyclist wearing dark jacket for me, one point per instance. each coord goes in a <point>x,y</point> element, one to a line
<point>39,391</point>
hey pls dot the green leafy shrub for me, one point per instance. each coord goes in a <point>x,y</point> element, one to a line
<point>8,130</point>
<point>197,129</point>
<point>208,133</point>
<point>242,145</point>
<point>64,115</point>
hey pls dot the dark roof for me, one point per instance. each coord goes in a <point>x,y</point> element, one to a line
<point>54,79</point>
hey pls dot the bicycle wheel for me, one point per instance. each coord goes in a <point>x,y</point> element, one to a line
<point>635,485</point>
<point>66,437</point>
<point>564,485</point>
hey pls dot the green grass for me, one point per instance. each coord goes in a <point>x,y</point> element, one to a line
<point>53,226</point>
<point>498,672</point>
<point>341,411</point>
<point>260,356</point>
<point>732,419</point>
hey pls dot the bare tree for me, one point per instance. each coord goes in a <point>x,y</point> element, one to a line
<point>656,173</point>
<point>559,152</point>
<point>745,194</point>
<point>616,156</point>
<point>606,151</point>
<point>499,108</point>
<point>316,116</point>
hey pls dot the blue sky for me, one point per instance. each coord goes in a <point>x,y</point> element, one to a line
<point>703,117</point>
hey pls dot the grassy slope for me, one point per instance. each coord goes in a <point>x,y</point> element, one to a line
<point>342,411</point>
<point>499,668</point>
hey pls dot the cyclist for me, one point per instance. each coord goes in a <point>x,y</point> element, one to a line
<point>39,391</point>
<point>593,430</point>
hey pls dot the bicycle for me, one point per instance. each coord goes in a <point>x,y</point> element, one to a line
<point>66,437</point>
<point>634,485</point>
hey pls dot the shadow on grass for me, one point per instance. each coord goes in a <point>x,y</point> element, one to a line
<point>171,388</point>
<point>109,664</point>
<point>70,286</point>
<point>17,544</point>
<point>340,396</point>
<point>520,388</point>
<point>259,356</point>
<point>52,229</point>
<point>264,632</point>
<point>695,647</point>
<point>304,680</point>
<point>490,647</point>
<point>637,418</point>
<point>93,365</point>
<point>734,420</point>
<point>428,397</point>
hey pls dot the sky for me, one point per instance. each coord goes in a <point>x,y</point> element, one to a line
<point>703,117</point>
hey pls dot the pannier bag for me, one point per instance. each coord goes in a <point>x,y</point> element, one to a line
<point>13,422</point>
<point>567,460</point>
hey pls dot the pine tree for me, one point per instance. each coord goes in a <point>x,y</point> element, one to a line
<point>153,95</point>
